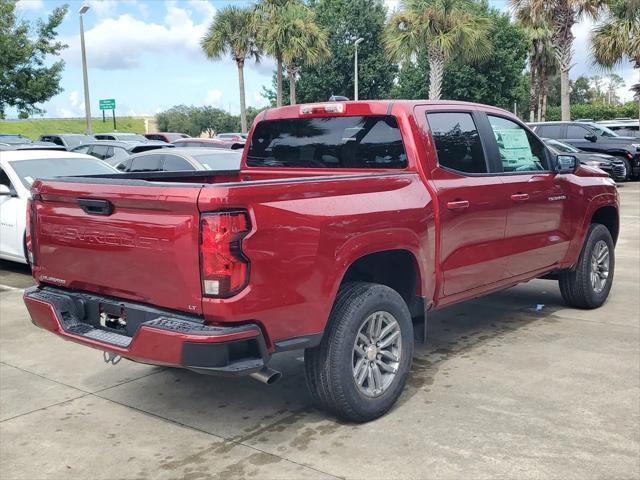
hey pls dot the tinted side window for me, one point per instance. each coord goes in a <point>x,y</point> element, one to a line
<point>119,153</point>
<point>146,163</point>
<point>457,142</point>
<point>100,151</point>
<point>328,142</point>
<point>520,150</point>
<point>549,131</point>
<point>174,162</point>
<point>82,149</point>
<point>4,179</point>
<point>577,132</point>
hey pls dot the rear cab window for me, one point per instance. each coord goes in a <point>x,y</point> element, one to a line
<point>356,142</point>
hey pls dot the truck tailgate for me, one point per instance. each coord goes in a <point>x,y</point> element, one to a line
<point>129,239</point>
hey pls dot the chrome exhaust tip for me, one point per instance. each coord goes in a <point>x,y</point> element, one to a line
<point>266,375</point>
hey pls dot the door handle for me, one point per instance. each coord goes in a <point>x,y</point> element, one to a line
<point>96,207</point>
<point>458,205</point>
<point>520,197</point>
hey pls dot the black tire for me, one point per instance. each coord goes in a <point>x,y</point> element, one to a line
<point>629,172</point>
<point>329,366</point>
<point>575,285</point>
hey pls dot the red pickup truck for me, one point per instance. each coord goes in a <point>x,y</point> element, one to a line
<point>346,223</point>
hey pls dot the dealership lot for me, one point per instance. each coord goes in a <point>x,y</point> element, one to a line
<point>513,385</point>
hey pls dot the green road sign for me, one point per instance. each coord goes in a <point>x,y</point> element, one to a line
<point>108,104</point>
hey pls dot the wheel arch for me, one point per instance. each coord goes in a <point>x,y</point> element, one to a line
<point>607,215</point>
<point>396,268</point>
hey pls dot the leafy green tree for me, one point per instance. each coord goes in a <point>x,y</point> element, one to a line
<point>345,21</point>
<point>562,15</point>
<point>581,91</point>
<point>442,29</point>
<point>615,82</point>
<point>27,76</point>
<point>497,80</point>
<point>212,121</point>
<point>178,119</point>
<point>197,120</point>
<point>233,32</point>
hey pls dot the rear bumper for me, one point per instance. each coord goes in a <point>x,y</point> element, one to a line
<point>155,336</point>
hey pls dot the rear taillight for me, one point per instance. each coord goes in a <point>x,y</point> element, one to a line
<point>224,268</point>
<point>30,234</point>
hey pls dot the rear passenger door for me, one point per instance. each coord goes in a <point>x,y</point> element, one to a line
<point>538,220</point>
<point>471,202</point>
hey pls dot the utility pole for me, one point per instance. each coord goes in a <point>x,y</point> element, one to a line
<point>87,103</point>
<point>355,69</point>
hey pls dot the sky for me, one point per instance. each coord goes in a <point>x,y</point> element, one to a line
<point>146,55</point>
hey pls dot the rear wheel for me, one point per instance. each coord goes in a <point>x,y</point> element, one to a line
<point>588,285</point>
<point>361,366</point>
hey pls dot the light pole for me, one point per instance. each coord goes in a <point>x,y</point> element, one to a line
<point>87,104</point>
<point>355,69</point>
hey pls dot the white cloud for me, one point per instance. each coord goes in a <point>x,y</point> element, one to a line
<point>204,8</point>
<point>122,41</point>
<point>213,98</point>
<point>30,5</point>
<point>74,106</point>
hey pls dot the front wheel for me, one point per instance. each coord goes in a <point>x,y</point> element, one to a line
<point>361,366</point>
<point>628,170</point>
<point>589,283</point>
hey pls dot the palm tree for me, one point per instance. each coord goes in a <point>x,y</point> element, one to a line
<point>541,59</point>
<point>271,30</point>
<point>306,42</point>
<point>562,15</point>
<point>232,32</point>
<point>441,28</point>
<point>618,36</point>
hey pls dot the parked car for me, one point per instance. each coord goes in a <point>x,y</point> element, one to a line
<point>122,137</point>
<point>67,140</point>
<point>232,137</point>
<point>114,152</point>
<point>183,159</point>
<point>165,136</point>
<point>346,222</point>
<point>591,137</point>
<point>623,126</point>
<point>208,143</point>
<point>613,166</point>
<point>18,171</point>
<point>11,141</point>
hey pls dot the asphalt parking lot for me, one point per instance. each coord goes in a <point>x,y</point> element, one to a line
<point>513,385</point>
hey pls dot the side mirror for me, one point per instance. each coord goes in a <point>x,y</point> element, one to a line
<point>6,191</point>
<point>566,164</point>
<point>592,137</point>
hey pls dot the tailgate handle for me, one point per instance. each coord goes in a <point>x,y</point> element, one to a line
<point>96,207</point>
